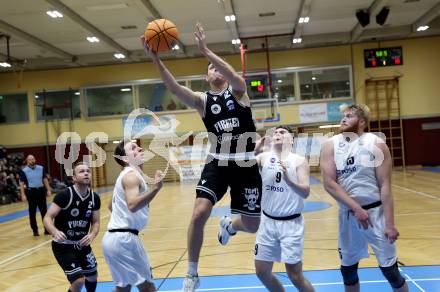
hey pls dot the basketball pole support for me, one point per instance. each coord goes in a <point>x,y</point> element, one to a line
<point>244,51</point>
<point>45,109</point>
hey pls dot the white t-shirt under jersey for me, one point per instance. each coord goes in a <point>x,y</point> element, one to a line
<point>121,216</point>
<point>354,169</point>
<point>279,199</point>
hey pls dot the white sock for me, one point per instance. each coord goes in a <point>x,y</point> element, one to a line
<point>192,268</point>
<point>230,229</point>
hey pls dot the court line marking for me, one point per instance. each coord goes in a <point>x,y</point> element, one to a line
<point>417,192</point>
<point>314,284</point>
<point>411,280</point>
<point>29,251</point>
<point>23,253</point>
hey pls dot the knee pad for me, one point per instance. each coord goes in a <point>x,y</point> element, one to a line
<point>350,275</point>
<point>392,274</point>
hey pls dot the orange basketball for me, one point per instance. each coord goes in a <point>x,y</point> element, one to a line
<point>161,35</point>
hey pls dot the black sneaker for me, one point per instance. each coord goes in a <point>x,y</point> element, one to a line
<point>36,233</point>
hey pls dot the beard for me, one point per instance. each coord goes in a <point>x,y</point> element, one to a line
<point>349,129</point>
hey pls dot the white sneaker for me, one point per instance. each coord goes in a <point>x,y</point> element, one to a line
<point>224,234</point>
<point>190,283</point>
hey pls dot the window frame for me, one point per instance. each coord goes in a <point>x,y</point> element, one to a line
<point>26,93</point>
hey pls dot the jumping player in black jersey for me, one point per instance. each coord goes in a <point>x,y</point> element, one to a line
<point>73,221</point>
<point>226,113</point>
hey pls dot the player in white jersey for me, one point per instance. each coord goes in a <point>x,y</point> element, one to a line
<point>356,169</point>
<point>280,236</point>
<point>122,248</point>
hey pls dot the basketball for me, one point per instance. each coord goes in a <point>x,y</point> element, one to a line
<point>161,35</point>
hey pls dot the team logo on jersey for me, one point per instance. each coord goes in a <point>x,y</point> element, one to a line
<point>341,144</point>
<point>214,98</point>
<point>88,213</point>
<point>91,260</point>
<point>251,196</point>
<point>272,160</point>
<point>77,203</point>
<point>230,105</point>
<point>350,160</point>
<point>215,109</point>
<point>227,94</point>
<point>74,212</point>
<point>203,181</point>
<point>70,233</point>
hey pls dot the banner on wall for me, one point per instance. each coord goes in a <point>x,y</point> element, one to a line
<point>333,110</point>
<point>321,112</point>
<point>312,113</point>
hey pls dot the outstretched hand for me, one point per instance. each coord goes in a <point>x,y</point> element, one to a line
<point>158,179</point>
<point>148,50</point>
<point>200,37</point>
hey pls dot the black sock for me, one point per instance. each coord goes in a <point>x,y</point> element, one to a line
<point>90,286</point>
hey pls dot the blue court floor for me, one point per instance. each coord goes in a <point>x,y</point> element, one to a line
<point>419,278</point>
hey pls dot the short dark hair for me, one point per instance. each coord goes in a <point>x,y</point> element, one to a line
<point>77,164</point>
<point>287,128</point>
<point>120,152</point>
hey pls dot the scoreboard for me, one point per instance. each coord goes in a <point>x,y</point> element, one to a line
<point>383,57</point>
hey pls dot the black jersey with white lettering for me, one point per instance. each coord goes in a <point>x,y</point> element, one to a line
<point>229,123</point>
<point>76,212</point>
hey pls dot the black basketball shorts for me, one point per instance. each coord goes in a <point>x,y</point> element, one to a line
<point>75,261</point>
<point>245,184</point>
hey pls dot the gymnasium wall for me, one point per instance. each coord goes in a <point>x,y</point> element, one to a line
<point>418,85</point>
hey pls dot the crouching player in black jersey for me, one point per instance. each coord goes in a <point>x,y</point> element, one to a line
<point>73,221</point>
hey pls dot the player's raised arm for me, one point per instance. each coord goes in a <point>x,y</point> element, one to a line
<point>187,96</point>
<point>234,79</point>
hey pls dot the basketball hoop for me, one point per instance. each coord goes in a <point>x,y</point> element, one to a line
<point>17,69</point>
<point>17,65</point>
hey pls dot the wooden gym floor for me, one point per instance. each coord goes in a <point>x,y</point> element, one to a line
<point>27,262</point>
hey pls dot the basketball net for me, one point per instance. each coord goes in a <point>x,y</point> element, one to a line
<point>17,70</point>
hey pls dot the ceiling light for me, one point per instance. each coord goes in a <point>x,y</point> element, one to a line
<point>119,56</point>
<point>36,96</point>
<point>297,40</point>
<point>280,81</point>
<point>313,78</point>
<point>54,14</point>
<point>5,65</point>
<point>93,39</point>
<point>125,89</point>
<point>236,41</point>
<point>175,47</point>
<point>422,28</point>
<point>229,18</point>
<point>304,19</point>
<point>77,93</point>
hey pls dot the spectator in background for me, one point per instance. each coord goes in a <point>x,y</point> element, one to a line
<point>33,181</point>
<point>2,152</point>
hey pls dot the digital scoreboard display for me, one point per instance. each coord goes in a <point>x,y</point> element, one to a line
<point>383,57</point>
